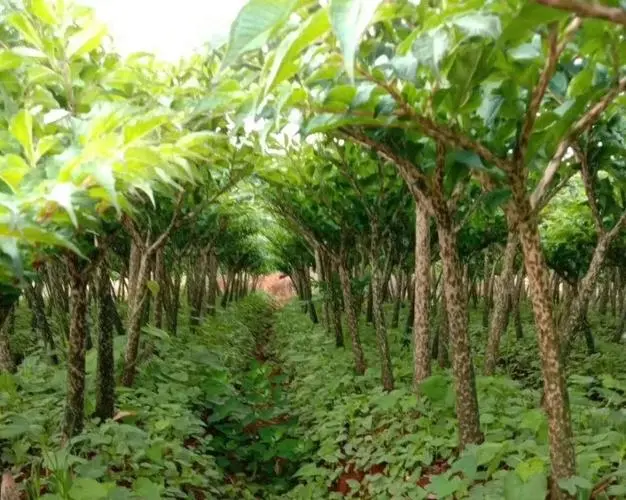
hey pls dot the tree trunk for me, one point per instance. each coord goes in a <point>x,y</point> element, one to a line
<point>486,288</point>
<point>160,278</point>
<point>35,300</point>
<point>75,404</point>
<point>421,313</point>
<point>555,391</point>
<point>395,318</point>
<point>501,305</point>
<point>410,317</point>
<point>335,306</point>
<point>353,322</point>
<point>379,324</point>
<point>516,304</point>
<point>619,329</point>
<point>212,283</point>
<point>7,364</point>
<point>135,317</point>
<point>456,304</point>
<point>369,311</point>
<point>105,380</point>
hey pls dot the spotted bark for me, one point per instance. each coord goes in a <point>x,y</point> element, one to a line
<point>352,320</point>
<point>75,401</point>
<point>556,400</point>
<point>501,304</point>
<point>456,304</point>
<point>421,313</point>
<point>105,369</point>
<point>34,296</point>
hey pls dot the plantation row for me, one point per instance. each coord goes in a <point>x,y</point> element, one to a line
<point>445,172</point>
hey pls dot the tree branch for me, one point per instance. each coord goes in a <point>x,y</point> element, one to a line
<point>586,8</point>
<point>590,190</point>
<point>415,180</point>
<point>555,51</point>
<point>581,126</point>
<point>437,131</point>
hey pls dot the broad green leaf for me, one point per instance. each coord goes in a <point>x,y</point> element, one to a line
<point>477,24</point>
<point>22,129</point>
<point>44,11</point>
<point>282,65</point>
<point>84,488</point>
<point>350,19</point>
<point>142,127</point>
<point>21,22</point>
<point>435,387</point>
<point>86,40</point>
<point>147,489</point>
<point>256,21</point>
<point>103,174</point>
<point>581,83</point>
<point>9,60</point>
<point>36,235</point>
<point>13,168</point>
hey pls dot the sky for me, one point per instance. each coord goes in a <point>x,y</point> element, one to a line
<point>168,28</point>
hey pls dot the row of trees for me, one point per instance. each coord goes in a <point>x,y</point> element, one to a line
<point>468,104</point>
<point>111,173</point>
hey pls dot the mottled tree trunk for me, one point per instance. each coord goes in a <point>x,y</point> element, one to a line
<point>410,317</point>
<point>160,278</point>
<point>212,283</point>
<point>421,313</point>
<point>75,402</point>
<point>7,363</point>
<point>369,310</point>
<point>105,379</point>
<point>352,319</point>
<point>516,300</point>
<point>335,305</point>
<point>380,327</point>
<point>501,305</point>
<point>395,318</point>
<point>135,321</point>
<point>456,304</point>
<point>34,296</point>
<point>556,401</point>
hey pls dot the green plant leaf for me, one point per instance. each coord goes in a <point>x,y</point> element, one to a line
<point>21,22</point>
<point>256,21</point>
<point>22,129</point>
<point>84,488</point>
<point>86,40</point>
<point>282,65</point>
<point>44,11</point>
<point>350,19</point>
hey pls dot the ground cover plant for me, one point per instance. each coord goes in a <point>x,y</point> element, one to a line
<point>365,248</point>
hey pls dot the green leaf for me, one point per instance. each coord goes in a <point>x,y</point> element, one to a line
<point>142,127</point>
<point>581,83</point>
<point>13,168</point>
<point>443,487</point>
<point>9,60</point>
<point>21,22</point>
<point>350,19</point>
<point>84,488</point>
<point>147,489</point>
<point>481,25</point>
<point>435,387</point>
<point>22,129</point>
<point>44,11</point>
<point>256,21</point>
<point>85,40</point>
<point>283,62</point>
<point>154,287</point>
<point>574,483</point>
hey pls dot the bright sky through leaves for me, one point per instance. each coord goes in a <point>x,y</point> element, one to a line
<point>170,29</point>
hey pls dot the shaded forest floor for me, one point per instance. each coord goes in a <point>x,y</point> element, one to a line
<point>260,404</point>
